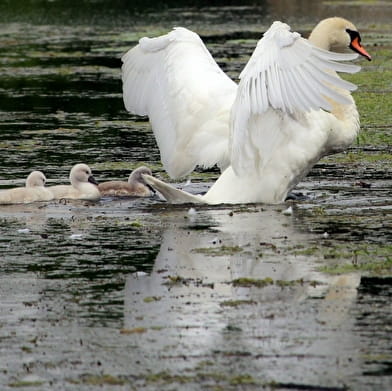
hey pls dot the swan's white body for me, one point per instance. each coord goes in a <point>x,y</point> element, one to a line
<point>83,185</point>
<point>34,191</point>
<point>135,187</point>
<point>289,109</point>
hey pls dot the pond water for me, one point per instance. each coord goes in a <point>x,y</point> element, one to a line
<point>135,294</point>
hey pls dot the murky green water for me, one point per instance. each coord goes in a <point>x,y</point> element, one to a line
<point>139,295</point>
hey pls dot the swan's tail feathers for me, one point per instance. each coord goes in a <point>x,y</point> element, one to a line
<point>170,193</point>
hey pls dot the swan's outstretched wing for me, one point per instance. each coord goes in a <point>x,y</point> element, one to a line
<point>175,81</point>
<point>290,76</point>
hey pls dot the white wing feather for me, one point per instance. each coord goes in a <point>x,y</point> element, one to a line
<point>289,75</point>
<point>175,81</point>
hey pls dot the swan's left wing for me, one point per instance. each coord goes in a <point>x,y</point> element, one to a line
<point>289,75</point>
<point>175,81</point>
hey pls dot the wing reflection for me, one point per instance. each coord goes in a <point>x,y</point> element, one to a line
<point>191,307</point>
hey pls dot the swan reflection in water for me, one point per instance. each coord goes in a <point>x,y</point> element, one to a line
<point>194,304</point>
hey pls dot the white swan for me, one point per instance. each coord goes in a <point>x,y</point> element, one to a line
<point>33,191</point>
<point>136,185</point>
<point>289,109</point>
<point>83,185</point>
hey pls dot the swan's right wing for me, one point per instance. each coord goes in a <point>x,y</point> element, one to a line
<point>174,80</point>
<point>285,78</point>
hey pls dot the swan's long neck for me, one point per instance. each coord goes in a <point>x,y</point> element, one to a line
<point>330,34</point>
<point>319,37</point>
<point>343,134</point>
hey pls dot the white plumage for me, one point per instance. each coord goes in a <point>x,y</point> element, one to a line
<point>174,80</point>
<point>289,109</point>
<point>83,185</point>
<point>34,191</point>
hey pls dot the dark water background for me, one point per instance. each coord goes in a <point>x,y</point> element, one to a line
<point>77,310</point>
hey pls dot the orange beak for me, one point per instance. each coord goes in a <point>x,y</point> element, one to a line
<point>356,45</point>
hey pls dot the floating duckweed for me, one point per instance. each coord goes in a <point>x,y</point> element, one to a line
<point>236,303</point>
<point>368,257</point>
<point>247,282</point>
<point>167,378</point>
<point>125,166</point>
<point>151,299</point>
<point>99,380</point>
<point>25,383</point>
<point>378,268</point>
<point>319,211</point>
<point>136,330</point>
<point>361,156</point>
<point>175,280</point>
<point>136,224</point>
<point>218,251</point>
<point>307,251</point>
<point>284,283</point>
<point>242,380</point>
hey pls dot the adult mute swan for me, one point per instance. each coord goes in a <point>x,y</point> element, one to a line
<point>289,109</point>
<point>83,185</point>
<point>33,191</point>
<point>136,185</point>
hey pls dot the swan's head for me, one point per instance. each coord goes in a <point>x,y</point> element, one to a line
<point>338,35</point>
<point>36,179</point>
<point>81,173</point>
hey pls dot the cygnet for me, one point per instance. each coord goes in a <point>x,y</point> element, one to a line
<point>83,185</point>
<point>135,187</point>
<point>33,191</point>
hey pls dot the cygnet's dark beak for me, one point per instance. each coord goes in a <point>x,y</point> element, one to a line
<point>92,180</point>
<point>151,188</point>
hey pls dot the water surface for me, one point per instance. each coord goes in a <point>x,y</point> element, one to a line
<point>139,295</point>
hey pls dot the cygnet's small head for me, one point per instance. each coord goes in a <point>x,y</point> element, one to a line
<point>338,34</point>
<point>137,175</point>
<point>81,173</point>
<point>36,179</point>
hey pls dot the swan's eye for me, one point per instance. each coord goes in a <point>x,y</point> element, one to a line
<point>353,34</point>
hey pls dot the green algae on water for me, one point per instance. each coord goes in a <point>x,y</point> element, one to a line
<point>248,282</point>
<point>218,251</point>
